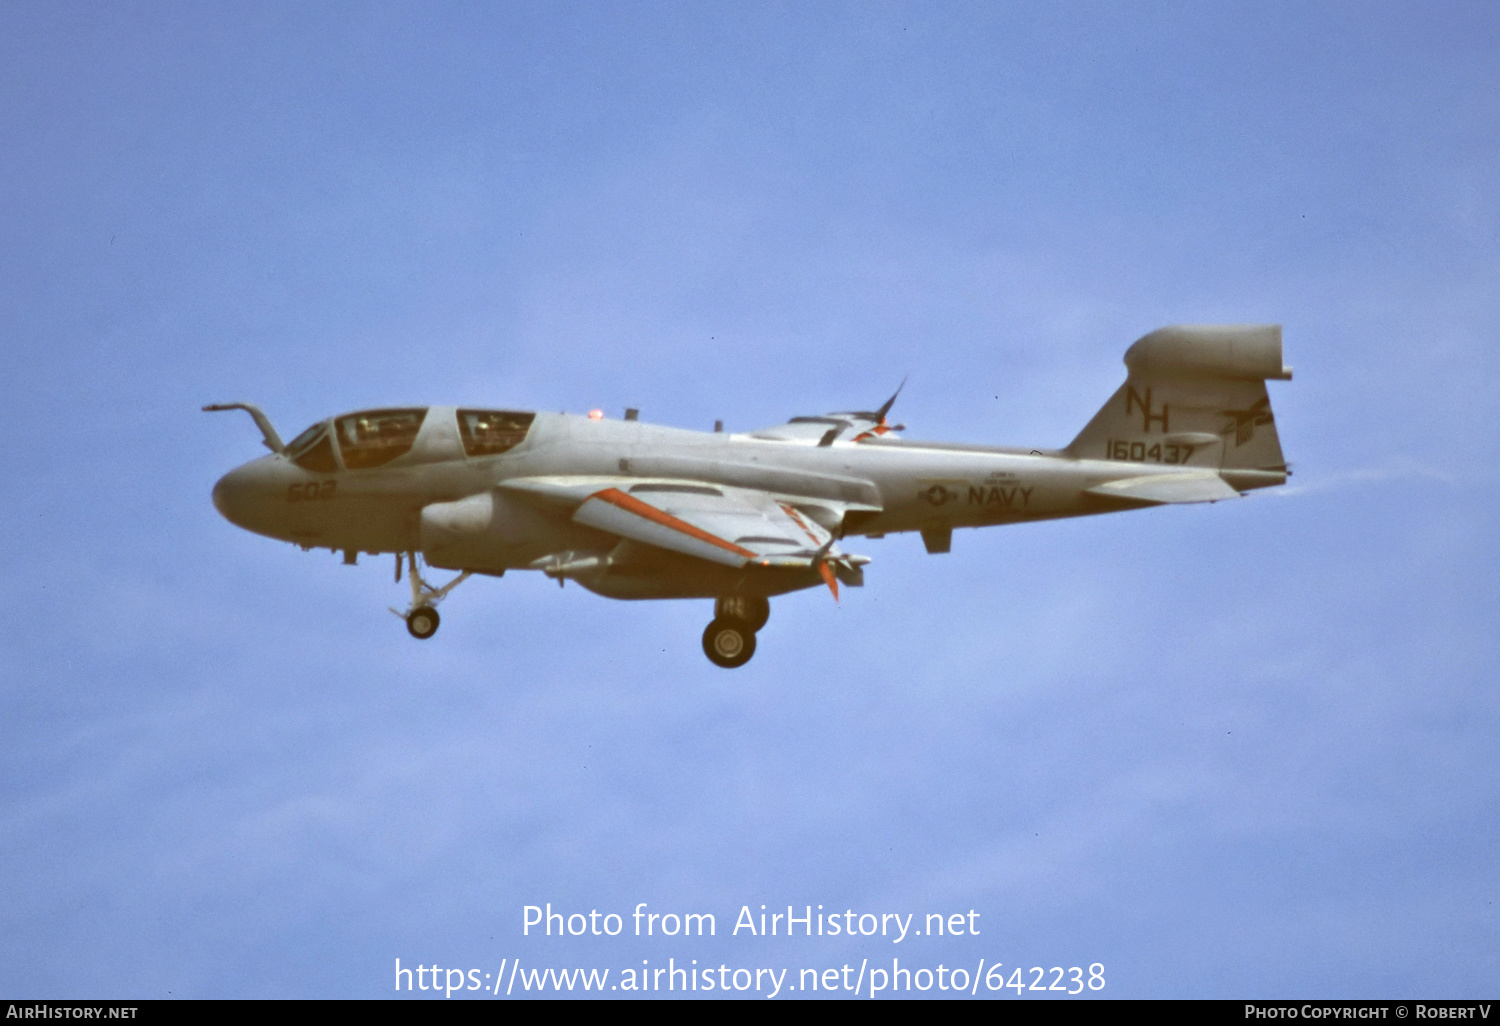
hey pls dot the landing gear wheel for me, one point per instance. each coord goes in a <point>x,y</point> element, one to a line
<point>729,642</point>
<point>422,622</point>
<point>421,618</point>
<point>755,610</point>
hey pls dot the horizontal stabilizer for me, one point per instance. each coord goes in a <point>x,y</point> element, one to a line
<point>1165,488</point>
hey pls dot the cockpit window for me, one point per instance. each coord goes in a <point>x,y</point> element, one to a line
<point>313,450</point>
<point>487,432</point>
<point>375,437</point>
<point>318,458</point>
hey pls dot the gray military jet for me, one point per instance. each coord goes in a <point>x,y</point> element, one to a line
<point>634,511</point>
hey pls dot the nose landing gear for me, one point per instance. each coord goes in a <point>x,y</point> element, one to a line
<point>421,618</point>
<point>729,640</point>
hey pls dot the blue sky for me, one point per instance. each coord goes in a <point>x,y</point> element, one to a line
<point>1245,750</point>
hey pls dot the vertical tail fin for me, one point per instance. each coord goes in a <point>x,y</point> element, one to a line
<point>1195,394</point>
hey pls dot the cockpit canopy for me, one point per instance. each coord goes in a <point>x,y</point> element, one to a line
<point>373,438</point>
<point>312,450</point>
<point>490,432</point>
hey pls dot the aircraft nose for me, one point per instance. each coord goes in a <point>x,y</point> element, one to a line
<point>235,495</point>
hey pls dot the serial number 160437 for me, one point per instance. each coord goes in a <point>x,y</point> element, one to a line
<point>1140,452</point>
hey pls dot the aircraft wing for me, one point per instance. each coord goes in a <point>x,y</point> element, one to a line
<point>733,526</point>
<point>853,426</point>
<point>1201,486</point>
<point>718,523</point>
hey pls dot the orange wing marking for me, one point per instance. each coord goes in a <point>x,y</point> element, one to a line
<point>827,573</point>
<point>824,570</point>
<point>631,504</point>
<point>789,511</point>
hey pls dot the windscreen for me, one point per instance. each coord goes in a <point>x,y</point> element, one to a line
<point>313,450</point>
<point>375,437</point>
<point>487,432</point>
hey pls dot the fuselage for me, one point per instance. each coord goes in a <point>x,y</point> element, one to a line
<point>870,487</point>
<point>637,511</point>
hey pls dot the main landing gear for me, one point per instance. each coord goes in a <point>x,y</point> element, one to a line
<point>423,622</point>
<point>729,640</point>
<point>421,617</point>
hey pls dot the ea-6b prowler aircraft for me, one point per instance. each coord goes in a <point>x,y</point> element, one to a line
<point>635,511</point>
